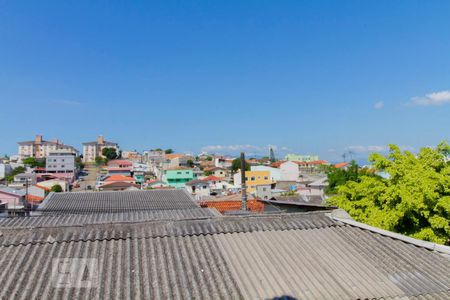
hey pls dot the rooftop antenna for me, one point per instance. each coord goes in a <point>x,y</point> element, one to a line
<point>243,183</point>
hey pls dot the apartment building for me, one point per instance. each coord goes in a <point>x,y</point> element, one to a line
<point>40,148</point>
<point>60,161</point>
<point>92,150</point>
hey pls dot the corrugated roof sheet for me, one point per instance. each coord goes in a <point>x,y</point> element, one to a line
<point>105,218</point>
<point>302,255</point>
<point>117,201</point>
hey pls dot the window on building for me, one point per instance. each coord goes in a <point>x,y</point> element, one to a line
<point>266,178</point>
<point>252,179</point>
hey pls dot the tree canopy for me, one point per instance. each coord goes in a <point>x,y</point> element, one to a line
<point>14,172</point>
<point>340,176</point>
<point>236,165</point>
<point>168,151</point>
<point>33,162</point>
<point>413,197</point>
<point>56,188</point>
<point>110,153</point>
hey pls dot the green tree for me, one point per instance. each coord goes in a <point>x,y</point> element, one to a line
<point>109,153</point>
<point>33,162</point>
<point>14,172</point>
<point>100,161</point>
<point>338,177</point>
<point>168,151</point>
<point>209,158</point>
<point>56,188</point>
<point>236,165</point>
<point>79,163</point>
<point>190,163</point>
<point>412,199</point>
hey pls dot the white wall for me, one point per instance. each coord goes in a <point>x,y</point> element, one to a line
<point>275,173</point>
<point>289,171</point>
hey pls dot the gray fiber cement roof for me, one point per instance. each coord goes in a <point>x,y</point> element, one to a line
<point>116,201</point>
<point>48,220</point>
<point>301,255</point>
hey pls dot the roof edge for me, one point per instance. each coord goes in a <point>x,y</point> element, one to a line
<point>424,244</point>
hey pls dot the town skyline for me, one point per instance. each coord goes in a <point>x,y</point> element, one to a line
<point>319,77</point>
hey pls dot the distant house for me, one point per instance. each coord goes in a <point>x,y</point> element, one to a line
<point>289,171</point>
<point>253,178</point>
<point>207,186</point>
<point>155,184</point>
<point>52,182</point>
<point>275,174</point>
<point>119,186</point>
<point>301,158</point>
<point>176,160</point>
<point>342,165</point>
<point>178,177</point>
<point>92,150</point>
<point>218,172</point>
<point>39,148</point>
<point>12,199</point>
<point>23,179</point>
<point>119,166</point>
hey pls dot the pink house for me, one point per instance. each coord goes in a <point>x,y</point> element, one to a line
<point>10,198</point>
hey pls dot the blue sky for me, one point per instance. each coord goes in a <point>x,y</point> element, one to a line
<point>305,76</point>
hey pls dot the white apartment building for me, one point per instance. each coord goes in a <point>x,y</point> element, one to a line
<point>39,148</point>
<point>60,161</point>
<point>92,150</point>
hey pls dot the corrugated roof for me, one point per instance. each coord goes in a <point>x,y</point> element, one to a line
<point>105,218</point>
<point>91,202</point>
<point>302,255</point>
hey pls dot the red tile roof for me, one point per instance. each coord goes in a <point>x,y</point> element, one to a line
<point>120,162</point>
<point>42,187</point>
<point>172,156</point>
<point>118,177</point>
<point>212,178</point>
<point>341,165</point>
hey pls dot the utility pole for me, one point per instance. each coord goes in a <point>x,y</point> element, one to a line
<point>243,183</point>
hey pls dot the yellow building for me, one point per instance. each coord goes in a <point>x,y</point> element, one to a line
<point>253,178</point>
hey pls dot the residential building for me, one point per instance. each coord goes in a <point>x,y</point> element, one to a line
<point>253,178</point>
<point>207,186</point>
<point>156,184</point>
<point>302,158</point>
<point>176,160</point>
<point>22,179</point>
<point>275,174</point>
<point>218,172</point>
<point>12,199</point>
<point>267,191</point>
<point>5,170</point>
<point>52,182</point>
<point>92,150</point>
<point>119,186</point>
<point>133,156</point>
<point>178,177</point>
<point>40,148</point>
<point>60,161</point>
<point>119,166</point>
<point>289,171</point>
<point>223,162</point>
